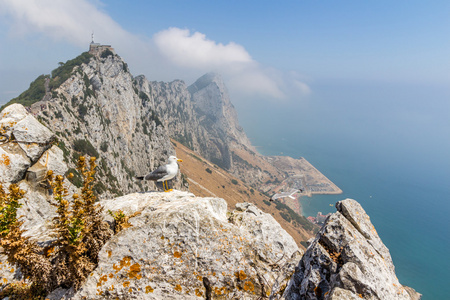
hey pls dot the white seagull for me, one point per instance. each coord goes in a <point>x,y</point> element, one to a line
<point>163,173</point>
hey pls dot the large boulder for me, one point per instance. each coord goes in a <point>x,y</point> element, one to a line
<point>23,128</point>
<point>23,141</point>
<point>185,247</point>
<point>347,260</point>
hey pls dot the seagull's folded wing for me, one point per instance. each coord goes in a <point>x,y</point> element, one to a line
<point>157,174</point>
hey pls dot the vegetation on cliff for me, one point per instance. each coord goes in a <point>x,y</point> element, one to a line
<point>38,89</point>
<point>80,233</point>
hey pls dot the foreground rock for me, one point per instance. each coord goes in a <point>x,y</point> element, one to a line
<point>23,141</point>
<point>186,247</point>
<point>347,260</point>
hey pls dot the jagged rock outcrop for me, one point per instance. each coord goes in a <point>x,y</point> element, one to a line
<point>186,247</point>
<point>24,140</point>
<point>347,260</point>
<point>215,112</point>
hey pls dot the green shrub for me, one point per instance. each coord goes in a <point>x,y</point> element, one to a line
<point>267,202</point>
<point>304,244</point>
<point>85,147</point>
<point>208,170</point>
<point>285,216</point>
<point>63,72</point>
<point>104,146</point>
<point>80,233</point>
<point>106,53</point>
<point>234,181</point>
<point>82,111</point>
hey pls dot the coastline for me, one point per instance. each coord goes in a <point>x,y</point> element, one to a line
<point>300,175</point>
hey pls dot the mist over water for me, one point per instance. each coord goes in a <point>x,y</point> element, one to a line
<point>386,146</point>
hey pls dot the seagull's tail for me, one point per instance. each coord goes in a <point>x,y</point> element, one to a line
<point>139,177</point>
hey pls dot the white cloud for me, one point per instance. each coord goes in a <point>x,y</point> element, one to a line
<point>195,50</point>
<point>62,20</point>
<point>173,53</point>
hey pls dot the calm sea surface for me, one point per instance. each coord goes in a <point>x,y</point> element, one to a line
<point>388,147</point>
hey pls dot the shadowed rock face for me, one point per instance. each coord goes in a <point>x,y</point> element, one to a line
<point>347,260</point>
<point>182,246</point>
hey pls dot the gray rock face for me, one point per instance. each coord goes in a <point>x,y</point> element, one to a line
<point>184,247</point>
<point>209,122</point>
<point>217,114</point>
<point>347,260</point>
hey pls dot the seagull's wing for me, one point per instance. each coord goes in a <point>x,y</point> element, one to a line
<point>157,174</point>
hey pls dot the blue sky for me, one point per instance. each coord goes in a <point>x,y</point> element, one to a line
<point>274,50</point>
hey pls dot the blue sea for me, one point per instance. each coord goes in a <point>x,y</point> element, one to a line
<point>386,146</point>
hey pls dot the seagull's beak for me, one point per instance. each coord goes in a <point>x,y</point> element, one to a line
<point>180,160</point>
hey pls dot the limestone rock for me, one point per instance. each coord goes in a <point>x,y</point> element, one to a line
<point>37,210</point>
<point>266,231</point>
<point>22,128</point>
<point>53,159</point>
<point>33,137</point>
<point>184,247</point>
<point>347,260</point>
<point>13,162</point>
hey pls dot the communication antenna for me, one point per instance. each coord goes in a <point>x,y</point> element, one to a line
<point>92,35</point>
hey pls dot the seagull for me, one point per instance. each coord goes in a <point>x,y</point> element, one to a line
<point>163,173</point>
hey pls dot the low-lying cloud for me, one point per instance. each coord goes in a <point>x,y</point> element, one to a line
<point>173,53</point>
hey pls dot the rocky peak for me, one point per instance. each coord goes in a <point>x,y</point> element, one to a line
<point>93,107</point>
<point>347,260</point>
<point>213,105</point>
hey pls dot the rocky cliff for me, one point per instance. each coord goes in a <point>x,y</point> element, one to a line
<point>200,116</point>
<point>93,108</point>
